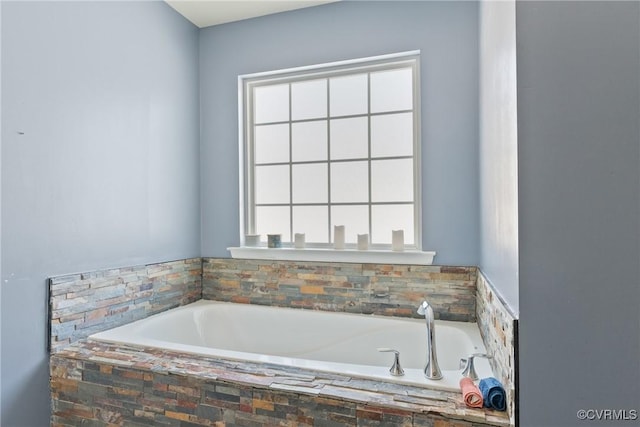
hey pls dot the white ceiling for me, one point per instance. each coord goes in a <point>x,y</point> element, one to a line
<point>205,13</point>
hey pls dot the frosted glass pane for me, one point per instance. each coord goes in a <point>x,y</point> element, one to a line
<point>271,103</point>
<point>272,184</point>
<point>386,218</point>
<point>349,138</point>
<point>391,90</point>
<point>348,95</point>
<point>392,180</point>
<point>273,220</point>
<point>310,183</point>
<point>272,143</point>
<point>392,135</point>
<point>309,99</point>
<point>350,182</point>
<point>309,141</point>
<point>354,218</point>
<point>313,221</point>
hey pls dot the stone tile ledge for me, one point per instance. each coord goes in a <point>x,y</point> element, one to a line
<point>498,327</point>
<point>382,289</point>
<point>68,363</point>
<point>82,304</point>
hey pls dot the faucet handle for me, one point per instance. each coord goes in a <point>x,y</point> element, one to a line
<point>395,370</point>
<point>468,369</point>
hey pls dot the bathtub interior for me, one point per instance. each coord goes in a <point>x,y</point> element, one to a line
<point>343,343</point>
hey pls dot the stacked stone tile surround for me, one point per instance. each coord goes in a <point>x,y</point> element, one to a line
<point>85,303</point>
<point>498,326</point>
<point>393,290</point>
<point>79,301</point>
<point>97,384</point>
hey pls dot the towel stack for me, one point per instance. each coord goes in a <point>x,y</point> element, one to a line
<point>489,393</point>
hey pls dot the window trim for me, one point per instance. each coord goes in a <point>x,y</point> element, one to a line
<point>349,67</point>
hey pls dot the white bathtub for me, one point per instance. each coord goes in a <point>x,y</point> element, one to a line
<point>323,341</point>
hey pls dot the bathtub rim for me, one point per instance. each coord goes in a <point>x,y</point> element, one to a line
<point>412,377</point>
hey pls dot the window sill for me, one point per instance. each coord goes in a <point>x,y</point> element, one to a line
<point>333,255</point>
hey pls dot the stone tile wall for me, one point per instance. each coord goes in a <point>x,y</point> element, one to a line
<point>394,290</point>
<point>97,384</point>
<point>85,303</point>
<point>498,326</point>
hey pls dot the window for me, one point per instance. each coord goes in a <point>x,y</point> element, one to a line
<point>336,144</point>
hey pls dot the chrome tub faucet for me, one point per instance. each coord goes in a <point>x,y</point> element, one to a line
<point>431,369</point>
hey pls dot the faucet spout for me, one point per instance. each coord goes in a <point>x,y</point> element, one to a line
<point>431,370</point>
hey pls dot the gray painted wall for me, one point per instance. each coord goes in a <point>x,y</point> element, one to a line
<point>579,209</point>
<point>106,173</point>
<point>445,32</point>
<point>498,153</point>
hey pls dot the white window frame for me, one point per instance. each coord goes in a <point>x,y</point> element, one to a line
<point>364,65</point>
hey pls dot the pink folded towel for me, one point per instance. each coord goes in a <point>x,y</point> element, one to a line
<point>471,393</point>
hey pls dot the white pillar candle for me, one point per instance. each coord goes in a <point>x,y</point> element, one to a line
<point>338,236</point>
<point>397,240</point>
<point>363,242</point>
<point>299,240</point>
<point>252,240</point>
